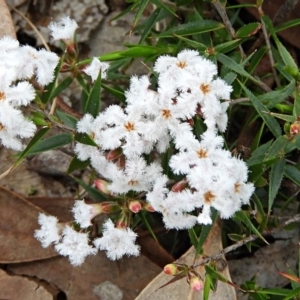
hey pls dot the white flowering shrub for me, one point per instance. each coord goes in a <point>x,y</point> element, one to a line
<point>164,148</point>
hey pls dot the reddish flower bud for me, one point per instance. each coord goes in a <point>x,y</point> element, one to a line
<point>295,128</point>
<point>114,154</point>
<point>110,207</point>
<point>122,222</point>
<point>171,269</point>
<point>148,207</point>
<point>195,282</point>
<point>101,185</point>
<point>179,186</point>
<point>135,206</point>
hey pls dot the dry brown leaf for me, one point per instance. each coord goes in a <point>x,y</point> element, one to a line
<point>21,288</point>
<point>95,278</point>
<point>180,290</point>
<point>6,23</point>
<point>18,220</point>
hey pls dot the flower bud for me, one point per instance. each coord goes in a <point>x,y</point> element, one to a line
<point>135,206</point>
<point>148,207</point>
<point>102,185</point>
<point>110,207</point>
<point>171,269</point>
<point>295,128</point>
<point>179,186</point>
<point>195,282</point>
<point>123,221</point>
<point>114,154</point>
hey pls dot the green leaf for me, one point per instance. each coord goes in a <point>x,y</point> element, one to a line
<point>278,148</point>
<point>160,4</point>
<point>292,173</point>
<point>191,28</point>
<point>143,5</point>
<point>67,119</point>
<point>145,51</point>
<point>192,43</point>
<point>283,117</point>
<point>231,64</point>
<point>296,108</point>
<point>248,30</point>
<point>31,144</point>
<point>263,112</point>
<point>119,94</point>
<point>94,193</point>
<point>227,46</point>
<point>193,237</point>
<point>208,283</point>
<point>243,217</point>
<point>84,138</point>
<point>151,20</point>
<point>293,294</point>
<point>272,98</point>
<point>61,87</point>
<point>51,143</point>
<point>92,105</point>
<point>259,154</point>
<point>77,164</point>
<point>276,176</point>
<point>287,25</point>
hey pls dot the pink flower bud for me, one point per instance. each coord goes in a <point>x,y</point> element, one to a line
<point>179,186</point>
<point>114,154</point>
<point>123,221</point>
<point>195,282</point>
<point>295,128</point>
<point>171,269</point>
<point>102,185</point>
<point>110,207</point>
<point>135,206</point>
<point>148,207</point>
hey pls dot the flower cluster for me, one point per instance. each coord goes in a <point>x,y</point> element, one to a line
<point>211,177</point>
<point>18,64</point>
<point>77,245</point>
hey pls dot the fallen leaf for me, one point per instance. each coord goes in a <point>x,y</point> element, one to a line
<point>18,220</point>
<point>20,288</point>
<point>95,277</point>
<point>6,23</point>
<point>180,289</point>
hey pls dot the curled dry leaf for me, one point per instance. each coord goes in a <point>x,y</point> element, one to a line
<point>180,290</point>
<point>18,220</point>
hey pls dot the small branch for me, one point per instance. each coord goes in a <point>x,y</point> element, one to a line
<point>240,100</point>
<point>248,239</point>
<point>222,12</point>
<point>32,26</point>
<point>284,11</point>
<point>5,173</point>
<point>267,40</point>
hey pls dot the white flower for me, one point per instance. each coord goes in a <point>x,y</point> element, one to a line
<point>49,232</point>
<point>14,126</point>
<point>117,242</point>
<point>75,245</point>
<point>95,67</point>
<point>64,29</point>
<point>136,175</point>
<point>84,213</point>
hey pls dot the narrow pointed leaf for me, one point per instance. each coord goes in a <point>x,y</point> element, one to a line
<point>242,216</point>
<point>61,87</point>
<point>67,119</point>
<point>149,24</point>
<point>51,143</point>
<point>234,66</point>
<point>92,105</point>
<point>276,176</point>
<point>32,143</point>
<point>248,30</point>
<point>142,7</point>
<point>292,173</point>
<point>77,164</point>
<point>263,112</point>
<point>192,28</point>
<point>84,138</point>
<point>160,4</point>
